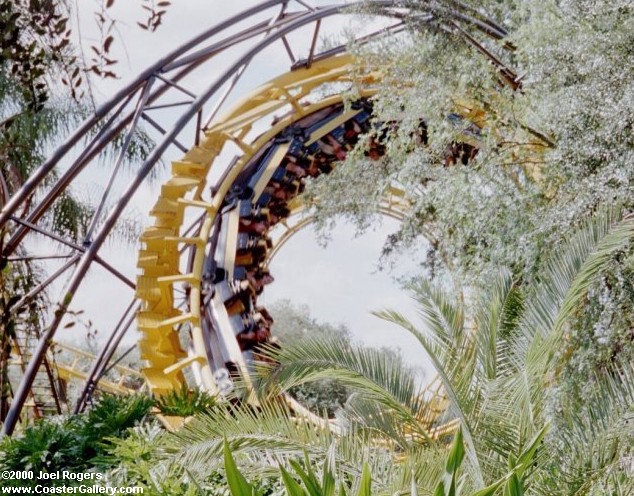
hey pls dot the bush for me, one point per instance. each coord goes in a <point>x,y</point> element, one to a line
<point>185,402</point>
<point>73,443</point>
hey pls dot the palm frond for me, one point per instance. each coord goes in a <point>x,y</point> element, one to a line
<point>591,443</point>
<point>363,414</point>
<point>423,465</point>
<point>573,269</point>
<point>451,354</point>
<point>497,315</point>
<point>371,372</point>
<point>496,378</point>
<point>262,439</point>
<point>440,312</point>
<point>561,292</point>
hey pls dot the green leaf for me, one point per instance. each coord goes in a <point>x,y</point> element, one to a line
<point>237,483</point>
<point>328,477</point>
<point>308,478</point>
<point>512,482</point>
<point>490,490</point>
<point>292,486</point>
<point>526,457</point>
<point>456,454</point>
<point>454,460</point>
<point>514,486</point>
<point>365,486</point>
<point>440,489</point>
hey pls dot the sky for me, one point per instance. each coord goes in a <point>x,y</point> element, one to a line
<point>340,283</point>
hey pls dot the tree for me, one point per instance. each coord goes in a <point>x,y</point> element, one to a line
<point>294,325</point>
<point>549,155</point>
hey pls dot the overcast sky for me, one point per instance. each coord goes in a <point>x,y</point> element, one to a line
<point>341,283</point>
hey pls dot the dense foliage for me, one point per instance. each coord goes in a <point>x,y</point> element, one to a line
<point>496,360</point>
<point>550,154</point>
<point>185,402</point>
<point>73,443</point>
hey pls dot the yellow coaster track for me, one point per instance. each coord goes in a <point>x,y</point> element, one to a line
<point>159,260</point>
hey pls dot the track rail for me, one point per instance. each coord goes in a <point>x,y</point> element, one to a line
<point>173,82</point>
<point>204,315</point>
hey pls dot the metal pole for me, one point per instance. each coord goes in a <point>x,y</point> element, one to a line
<point>106,354</point>
<point>124,148</point>
<point>107,134</point>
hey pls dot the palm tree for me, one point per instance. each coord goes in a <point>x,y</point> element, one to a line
<point>499,370</point>
<point>497,361</point>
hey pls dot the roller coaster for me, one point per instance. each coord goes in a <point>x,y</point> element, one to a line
<point>217,221</point>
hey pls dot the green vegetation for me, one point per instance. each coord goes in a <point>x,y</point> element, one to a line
<point>74,443</point>
<point>185,402</point>
<point>497,360</point>
<point>534,356</point>
<point>550,156</point>
<point>44,94</point>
